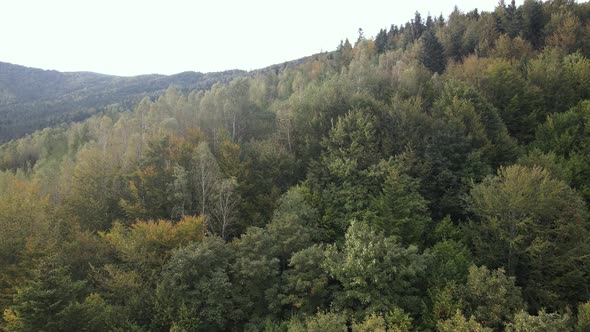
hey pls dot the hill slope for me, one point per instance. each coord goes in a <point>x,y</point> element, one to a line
<point>32,99</point>
<point>434,178</point>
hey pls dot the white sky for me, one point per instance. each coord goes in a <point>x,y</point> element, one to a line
<point>131,37</point>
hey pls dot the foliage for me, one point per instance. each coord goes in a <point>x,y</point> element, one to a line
<point>322,321</point>
<point>194,292</point>
<point>528,221</point>
<point>434,177</point>
<point>491,297</point>
<point>46,302</point>
<point>542,322</point>
<point>583,321</point>
<point>375,272</point>
<point>148,243</point>
<point>458,323</point>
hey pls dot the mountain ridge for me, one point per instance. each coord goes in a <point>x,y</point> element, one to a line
<point>33,98</point>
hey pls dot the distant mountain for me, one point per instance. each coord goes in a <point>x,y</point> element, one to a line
<point>32,99</point>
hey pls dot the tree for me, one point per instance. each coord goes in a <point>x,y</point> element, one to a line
<point>179,192</point>
<point>515,50</point>
<point>42,304</point>
<point>340,180</point>
<point>547,73</point>
<point>381,41</point>
<point>129,292</point>
<point>195,291</point>
<point>566,30</point>
<point>148,244</point>
<point>206,173</point>
<point>563,133</point>
<point>235,108</point>
<point>491,297</point>
<point>360,38</point>
<point>256,277</point>
<point>27,233</point>
<point>345,52</point>
<point>450,257</point>
<point>228,154</point>
<point>96,189</point>
<point>583,322</point>
<point>375,273</point>
<point>225,207</point>
<point>508,18</point>
<point>523,322</point>
<point>93,314</point>
<point>371,323</point>
<point>456,151</point>
<point>271,171</point>
<point>535,227</point>
<point>519,104</point>
<point>149,184</point>
<point>307,284</point>
<point>294,225</point>
<point>432,55</point>
<point>351,143</point>
<point>320,322</point>
<point>446,302</point>
<point>453,35</point>
<point>564,136</point>
<point>397,209</point>
<point>395,320</point>
<point>417,26</point>
<point>398,321</point>
<point>458,323</point>
<point>533,22</point>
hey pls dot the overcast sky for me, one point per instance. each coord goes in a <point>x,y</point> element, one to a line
<point>130,37</point>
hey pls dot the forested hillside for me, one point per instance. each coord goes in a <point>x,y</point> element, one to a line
<point>433,178</point>
<point>32,99</point>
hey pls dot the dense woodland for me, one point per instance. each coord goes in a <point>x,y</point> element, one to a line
<point>435,177</point>
<point>32,99</point>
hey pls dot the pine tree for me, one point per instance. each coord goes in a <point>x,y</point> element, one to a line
<point>432,55</point>
<point>42,303</point>
<point>533,22</point>
<point>381,41</point>
<point>417,26</point>
<point>429,22</point>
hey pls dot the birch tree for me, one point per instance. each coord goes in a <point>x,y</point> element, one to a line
<point>206,174</point>
<point>226,203</point>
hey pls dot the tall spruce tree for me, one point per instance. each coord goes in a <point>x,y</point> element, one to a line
<point>433,53</point>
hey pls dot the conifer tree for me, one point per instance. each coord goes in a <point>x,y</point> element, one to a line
<point>432,55</point>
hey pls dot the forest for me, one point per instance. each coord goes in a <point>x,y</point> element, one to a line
<point>435,177</point>
<point>32,99</point>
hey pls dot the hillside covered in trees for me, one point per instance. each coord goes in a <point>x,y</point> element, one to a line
<point>32,99</point>
<point>433,178</point>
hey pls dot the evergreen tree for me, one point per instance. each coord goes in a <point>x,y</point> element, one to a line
<point>433,53</point>
<point>42,304</point>
<point>381,41</point>
<point>533,22</point>
<point>417,26</point>
<point>508,18</point>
